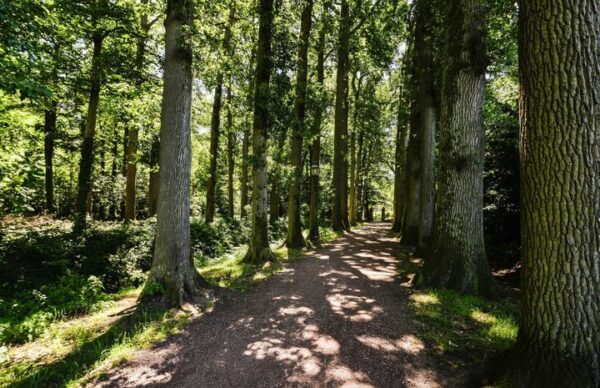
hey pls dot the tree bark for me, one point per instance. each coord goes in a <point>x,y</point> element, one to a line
<point>400,171</point>
<point>215,126</point>
<point>339,214</point>
<point>49,135</point>
<point>246,147</point>
<point>559,335</point>
<point>426,102</point>
<point>173,272</point>
<point>295,239</point>
<point>457,258</point>
<point>230,155</point>
<point>410,223</point>
<point>87,146</point>
<point>353,149</point>
<point>315,147</point>
<point>259,249</point>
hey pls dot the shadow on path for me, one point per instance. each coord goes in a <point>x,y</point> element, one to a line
<point>336,318</point>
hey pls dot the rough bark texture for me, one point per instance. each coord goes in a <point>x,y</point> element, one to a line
<point>339,214</point>
<point>230,156</point>
<point>410,223</point>
<point>259,249</point>
<point>172,267</point>
<point>315,147</point>
<point>294,232</point>
<point>49,135</point>
<point>215,127</point>
<point>87,145</point>
<point>426,103</point>
<point>559,336</point>
<point>356,132</point>
<point>456,257</point>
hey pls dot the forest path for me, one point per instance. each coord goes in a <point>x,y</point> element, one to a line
<point>338,317</point>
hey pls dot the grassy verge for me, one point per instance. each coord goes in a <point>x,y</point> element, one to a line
<point>466,325</point>
<point>75,350</point>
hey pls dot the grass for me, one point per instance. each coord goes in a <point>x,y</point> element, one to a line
<point>465,324</point>
<point>76,350</point>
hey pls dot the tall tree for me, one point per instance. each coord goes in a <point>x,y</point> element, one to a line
<point>294,235</point>
<point>457,257</point>
<point>259,249</point>
<point>427,118</point>
<point>172,266</point>
<point>131,152</point>
<point>315,146</point>
<point>49,136</point>
<point>230,155</point>
<point>215,124</point>
<point>400,168</point>
<point>339,215</point>
<point>559,336</point>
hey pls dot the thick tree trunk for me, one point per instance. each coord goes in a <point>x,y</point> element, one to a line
<point>87,145</point>
<point>246,146</point>
<point>49,135</point>
<point>230,156</point>
<point>339,215</point>
<point>353,149</point>
<point>259,249</point>
<point>426,102</point>
<point>315,147</point>
<point>154,181</point>
<point>215,126</point>
<point>457,258</point>
<point>294,235</point>
<point>559,336</point>
<point>173,271</point>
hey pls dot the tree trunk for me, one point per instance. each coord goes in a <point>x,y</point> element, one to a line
<point>259,249</point>
<point>353,163</point>
<point>294,235</point>
<point>113,184</point>
<point>49,135</point>
<point>87,146</point>
<point>410,223</point>
<point>246,147</point>
<point>154,181</point>
<point>400,172</point>
<point>230,156</point>
<point>315,147</point>
<point>132,143</point>
<point>359,176</point>
<point>173,271</point>
<point>426,102</point>
<point>215,126</point>
<point>457,257</point>
<point>339,215</point>
<point>559,335</point>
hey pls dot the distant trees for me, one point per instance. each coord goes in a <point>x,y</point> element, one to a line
<point>173,274</point>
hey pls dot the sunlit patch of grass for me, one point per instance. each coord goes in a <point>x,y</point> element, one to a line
<point>328,235</point>
<point>78,350</point>
<point>463,323</point>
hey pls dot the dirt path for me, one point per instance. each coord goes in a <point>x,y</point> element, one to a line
<point>337,318</point>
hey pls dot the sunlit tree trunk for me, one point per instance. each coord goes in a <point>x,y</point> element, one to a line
<point>559,335</point>
<point>87,145</point>
<point>353,149</point>
<point>400,170</point>
<point>246,146</point>
<point>456,257</point>
<point>154,176</point>
<point>410,222</point>
<point>295,239</point>
<point>339,214</point>
<point>215,126</point>
<point>49,135</point>
<point>172,269</point>
<point>259,249</point>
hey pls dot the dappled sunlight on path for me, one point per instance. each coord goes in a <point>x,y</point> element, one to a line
<point>336,318</point>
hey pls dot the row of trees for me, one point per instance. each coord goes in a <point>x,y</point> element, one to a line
<point>440,210</point>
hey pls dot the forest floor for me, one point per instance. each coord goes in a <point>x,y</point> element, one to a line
<point>344,315</point>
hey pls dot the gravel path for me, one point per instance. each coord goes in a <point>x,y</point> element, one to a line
<point>336,318</point>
